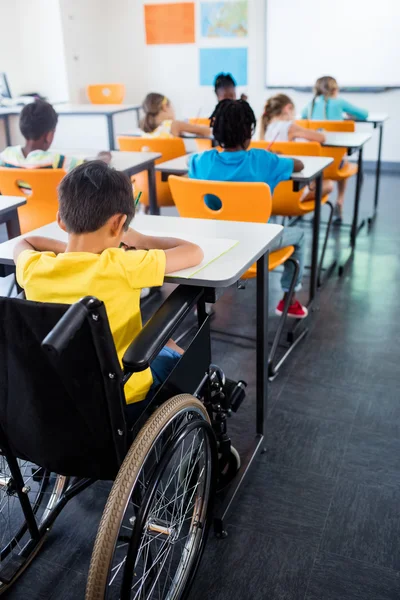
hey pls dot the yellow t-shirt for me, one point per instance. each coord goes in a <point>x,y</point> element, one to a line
<point>115,276</point>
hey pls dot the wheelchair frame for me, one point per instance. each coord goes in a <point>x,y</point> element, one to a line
<point>138,357</point>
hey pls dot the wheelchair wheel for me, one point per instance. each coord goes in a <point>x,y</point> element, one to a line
<point>42,489</point>
<point>156,519</point>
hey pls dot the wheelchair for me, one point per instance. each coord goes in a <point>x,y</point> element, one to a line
<point>63,426</point>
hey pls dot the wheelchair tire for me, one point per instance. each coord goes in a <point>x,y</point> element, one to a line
<point>43,489</point>
<point>125,545</point>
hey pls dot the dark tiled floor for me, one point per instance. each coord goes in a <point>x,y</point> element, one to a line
<point>319,517</point>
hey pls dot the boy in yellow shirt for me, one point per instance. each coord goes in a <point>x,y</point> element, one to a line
<point>96,207</point>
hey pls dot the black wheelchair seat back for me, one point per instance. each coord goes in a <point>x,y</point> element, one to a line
<point>61,410</point>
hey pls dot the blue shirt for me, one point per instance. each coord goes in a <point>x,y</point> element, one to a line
<point>254,165</point>
<point>332,109</point>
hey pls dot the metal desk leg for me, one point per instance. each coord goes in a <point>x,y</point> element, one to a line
<point>154,210</point>
<point>262,344</point>
<point>110,127</point>
<point>7,130</point>
<point>261,398</point>
<point>12,224</point>
<point>137,110</point>
<point>355,227</point>
<point>371,220</point>
<point>315,240</point>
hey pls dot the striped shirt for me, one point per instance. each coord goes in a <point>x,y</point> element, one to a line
<point>13,157</point>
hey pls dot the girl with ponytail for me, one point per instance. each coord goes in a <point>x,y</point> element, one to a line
<point>278,122</point>
<point>328,105</point>
<point>159,119</point>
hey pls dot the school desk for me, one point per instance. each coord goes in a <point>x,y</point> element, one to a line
<point>313,170</point>
<point>9,214</point>
<point>353,141</point>
<point>131,163</point>
<point>74,126</point>
<point>254,239</point>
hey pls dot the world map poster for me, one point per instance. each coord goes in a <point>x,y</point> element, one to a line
<point>224,19</point>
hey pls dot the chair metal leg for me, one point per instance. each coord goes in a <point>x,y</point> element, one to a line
<point>331,267</point>
<point>273,369</point>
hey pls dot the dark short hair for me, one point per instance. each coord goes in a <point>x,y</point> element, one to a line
<point>223,81</point>
<point>91,194</point>
<point>37,119</point>
<point>233,123</point>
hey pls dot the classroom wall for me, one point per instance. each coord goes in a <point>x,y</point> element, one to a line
<point>32,48</point>
<point>100,41</point>
<point>174,71</point>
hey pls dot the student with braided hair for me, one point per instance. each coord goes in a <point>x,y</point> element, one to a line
<point>233,123</point>
<point>328,105</point>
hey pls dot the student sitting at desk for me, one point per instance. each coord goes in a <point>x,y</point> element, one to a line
<point>38,122</point>
<point>278,124</point>
<point>328,105</point>
<point>225,87</point>
<point>233,123</point>
<point>159,120</point>
<point>95,208</point>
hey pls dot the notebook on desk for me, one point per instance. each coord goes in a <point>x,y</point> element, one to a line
<point>213,249</point>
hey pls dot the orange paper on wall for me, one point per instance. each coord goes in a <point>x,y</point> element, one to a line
<point>169,23</point>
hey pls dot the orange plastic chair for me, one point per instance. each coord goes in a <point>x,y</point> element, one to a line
<point>202,145</point>
<point>42,203</point>
<point>169,148</point>
<point>331,125</point>
<point>188,195</point>
<point>302,122</point>
<point>337,171</point>
<point>106,93</point>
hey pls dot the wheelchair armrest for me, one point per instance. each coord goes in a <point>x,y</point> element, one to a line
<point>61,334</point>
<point>159,329</point>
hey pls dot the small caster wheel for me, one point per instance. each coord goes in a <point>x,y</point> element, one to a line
<point>221,535</point>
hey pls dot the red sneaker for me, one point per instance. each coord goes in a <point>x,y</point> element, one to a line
<point>296,310</point>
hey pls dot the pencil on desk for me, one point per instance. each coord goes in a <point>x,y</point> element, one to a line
<point>137,199</point>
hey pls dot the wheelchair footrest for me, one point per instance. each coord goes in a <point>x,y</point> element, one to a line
<point>236,392</point>
<point>10,568</point>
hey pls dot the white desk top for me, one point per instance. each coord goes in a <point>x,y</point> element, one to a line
<point>254,240</point>
<point>340,139</point>
<point>100,109</point>
<point>10,202</point>
<point>121,161</point>
<point>373,118</point>
<point>313,165</point>
<point>79,109</point>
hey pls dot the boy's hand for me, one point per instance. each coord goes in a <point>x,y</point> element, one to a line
<point>105,156</point>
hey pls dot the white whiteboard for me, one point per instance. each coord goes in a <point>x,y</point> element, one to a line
<point>355,41</point>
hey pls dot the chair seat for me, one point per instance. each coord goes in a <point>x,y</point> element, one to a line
<point>307,206</point>
<point>276,259</point>
<point>348,170</point>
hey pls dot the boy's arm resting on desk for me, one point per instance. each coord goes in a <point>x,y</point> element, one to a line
<point>180,254</point>
<point>40,244</point>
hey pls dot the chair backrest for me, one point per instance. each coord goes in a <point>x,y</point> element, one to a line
<point>249,202</point>
<point>302,122</point>
<point>332,125</point>
<point>64,413</point>
<point>169,148</point>
<point>295,148</point>
<point>199,121</point>
<point>42,202</point>
<point>106,93</point>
